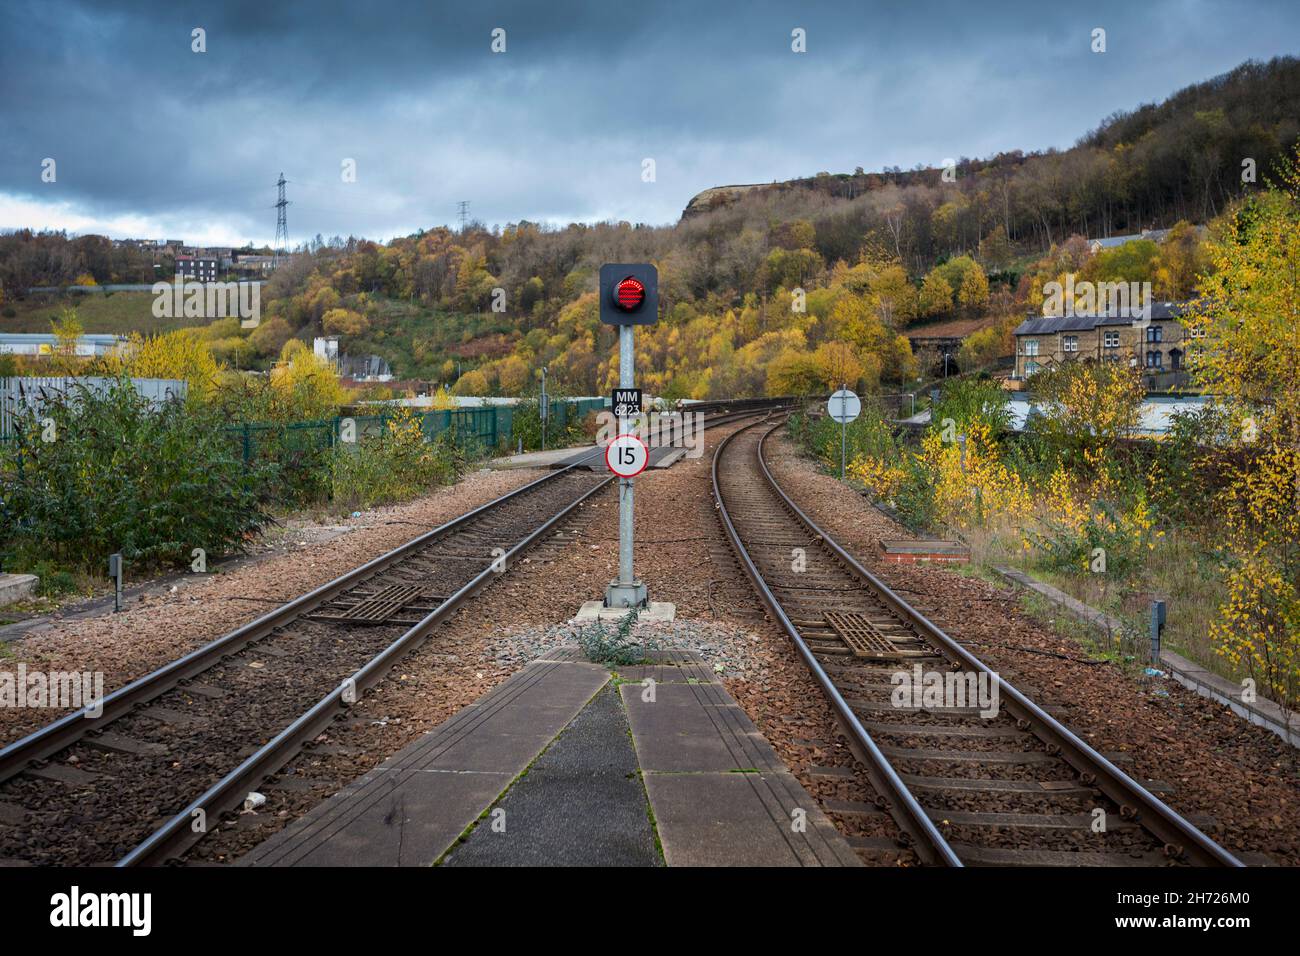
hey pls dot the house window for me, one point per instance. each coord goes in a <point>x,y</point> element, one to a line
<point>1069,343</point>
<point>1031,368</point>
<point>1031,346</point>
<point>1155,360</point>
<point>1196,332</point>
<point>1155,333</point>
<point>1110,340</point>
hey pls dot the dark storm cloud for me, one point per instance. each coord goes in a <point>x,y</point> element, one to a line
<point>151,137</point>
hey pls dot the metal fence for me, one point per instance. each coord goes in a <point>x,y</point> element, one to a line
<point>479,431</point>
<point>31,393</point>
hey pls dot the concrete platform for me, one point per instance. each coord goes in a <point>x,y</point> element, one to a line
<point>568,763</point>
<point>654,611</point>
<point>17,587</point>
<point>539,459</point>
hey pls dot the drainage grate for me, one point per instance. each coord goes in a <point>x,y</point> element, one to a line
<point>861,635</point>
<point>377,608</point>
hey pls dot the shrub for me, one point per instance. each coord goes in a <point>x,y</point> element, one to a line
<point>120,475</point>
<point>396,464</point>
<point>612,647</point>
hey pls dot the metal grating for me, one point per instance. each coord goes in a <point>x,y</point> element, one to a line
<point>377,608</point>
<point>861,635</point>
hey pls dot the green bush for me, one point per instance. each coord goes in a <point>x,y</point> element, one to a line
<point>53,580</point>
<point>870,435</point>
<point>527,424</point>
<point>396,464</point>
<point>91,474</point>
<point>967,400</point>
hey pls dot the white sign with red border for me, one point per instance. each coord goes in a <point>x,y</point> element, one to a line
<point>627,456</point>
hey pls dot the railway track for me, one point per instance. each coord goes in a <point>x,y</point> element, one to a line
<point>176,749</point>
<point>966,783</point>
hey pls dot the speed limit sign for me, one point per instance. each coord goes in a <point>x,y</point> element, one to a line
<point>627,456</point>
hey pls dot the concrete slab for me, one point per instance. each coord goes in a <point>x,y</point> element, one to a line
<point>720,794</point>
<point>692,728</point>
<point>17,587</point>
<point>596,611</point>
<point>415,805</point>
<point>580,804</point>
<point>573,762</point>
<point>743,819</point>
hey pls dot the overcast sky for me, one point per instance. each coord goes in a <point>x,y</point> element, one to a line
<point>154,140</point>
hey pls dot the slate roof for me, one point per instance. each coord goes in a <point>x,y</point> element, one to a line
<point>1051,324</point>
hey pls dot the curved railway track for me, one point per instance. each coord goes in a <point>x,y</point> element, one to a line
<point>174,750</point>
<point>1013,788</point>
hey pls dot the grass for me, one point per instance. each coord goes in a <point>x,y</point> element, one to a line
<point>100,313</point>
<point>1182,571</point>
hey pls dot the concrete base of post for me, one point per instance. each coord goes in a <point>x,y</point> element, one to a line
<point>597,611</point>
<point>625,596</point>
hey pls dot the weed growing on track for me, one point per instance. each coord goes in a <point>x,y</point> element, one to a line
<point>615,647</point>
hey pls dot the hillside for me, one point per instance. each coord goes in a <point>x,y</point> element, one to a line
<point>1149,167</point>
<point>786,286</point>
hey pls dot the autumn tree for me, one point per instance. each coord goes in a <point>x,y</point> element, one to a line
<point>936,295</point>
<point>1182,258</point>
<point>181,354</point>
<point>344,322</point>
<point>995,248</point>
<point>973,294</point>
<point>306,383</point>
<point>1245,352</point>
<point>472,383</point>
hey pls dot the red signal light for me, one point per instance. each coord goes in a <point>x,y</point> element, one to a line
<point>629,294</point>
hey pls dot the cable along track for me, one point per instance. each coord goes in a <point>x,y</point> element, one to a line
<point>1012,788</point>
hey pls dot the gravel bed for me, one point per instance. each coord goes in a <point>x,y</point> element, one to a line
<point>683,556</point>
<point>1217,764</point>
<point>161,627</point>
<point>725,648</point>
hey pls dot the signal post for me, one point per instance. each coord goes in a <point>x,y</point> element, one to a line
<point>629,296</point>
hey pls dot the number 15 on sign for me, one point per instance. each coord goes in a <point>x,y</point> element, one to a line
<point>627,456</point>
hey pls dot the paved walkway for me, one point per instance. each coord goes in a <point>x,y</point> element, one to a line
<point>567,763</point>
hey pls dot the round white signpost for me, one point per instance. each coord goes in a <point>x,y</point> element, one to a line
<point>627,456</point>
<point>844,406</point>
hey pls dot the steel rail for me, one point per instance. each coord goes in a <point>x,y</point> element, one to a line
<point>906,810</point>
<point>67,730</point>
<point>189,825</point>
<point>1182,840</point>
<point>70,728</point>
<point>180,832</point>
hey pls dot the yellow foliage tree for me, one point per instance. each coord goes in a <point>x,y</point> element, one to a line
<point>307,383</point>
<point>183,353</point>
<point>344,322</point>
<point>473,382</point>
<point>1244,350</point>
